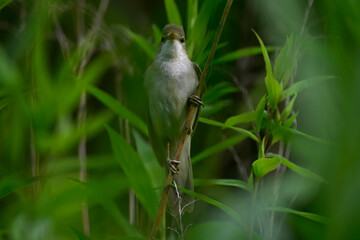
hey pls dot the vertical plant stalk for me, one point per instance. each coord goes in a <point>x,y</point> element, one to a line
<point>190,115</point>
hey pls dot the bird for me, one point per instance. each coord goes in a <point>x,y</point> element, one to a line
<point>170,84</point>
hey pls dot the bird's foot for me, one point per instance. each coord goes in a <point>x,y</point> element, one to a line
<point>196,100</point>
<point>173,164</point>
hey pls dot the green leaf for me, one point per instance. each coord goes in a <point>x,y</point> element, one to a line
<point>218,147</point>
<point>157,34</point>
<point>241,118</point>
<point>192,12</point>
<point>237,129</point>
<point>288,123</point>
<point>301,85</point>
<point>260,111</point>
<point>111,208</point>
<point>135,171</point>
<point>241,53</point>
<point>211,109</point>
<point>286,60</point>
<point>219,90</point>
<point>118,108</point>
<point>274,91</point>
<point>288,109</point>
<point>269,71</point>
<point>172,12</point>
<point>4,3</point>
<point>305,135</point>
<point>9,186</point>
<point>231,212</point>
<point>311,216</point>
<point>297,169</point>
<point>262,166</point>
<point>142,43</point>
<point>222,182</point>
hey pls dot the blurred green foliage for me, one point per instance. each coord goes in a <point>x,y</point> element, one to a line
<point>275,154</point>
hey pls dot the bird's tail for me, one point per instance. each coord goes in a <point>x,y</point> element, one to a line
<point>177,200</point>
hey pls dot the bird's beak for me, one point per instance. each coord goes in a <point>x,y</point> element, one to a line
<point>173,36</point>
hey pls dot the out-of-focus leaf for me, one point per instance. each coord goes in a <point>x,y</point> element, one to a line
<point>192,12</point>
<point>219,90</point>
<point>80,235</point>
<point>3,3</point>
<point>218,147</point>
<point>241,53</point>
<point>288,109</point>
<point>288,123</point>
<point>157,34</point>
<point>241,118</point>
<point>215,230</point>
<point>142,43</point>
<point>9,186</point>
<point>301,85</point>
<point>311,216</point>
<point>297,132</point>
<point>118,108</point>
<point>237,129</point>
<point>135,172</point>
<point>222,182</point>
<point>148,157</point>
<point>297,169</point>
<point>285,61</point>
<point>172,12</point>
<point>211,109</point>
<point>262,166</point>
<point>260,111</point>
<point>114,211</point>
<point>231,212</point>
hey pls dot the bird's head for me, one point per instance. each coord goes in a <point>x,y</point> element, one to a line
<point>172,42</point>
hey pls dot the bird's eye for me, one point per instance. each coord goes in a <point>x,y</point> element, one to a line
<point>182,40</point>
<point>162,39</point>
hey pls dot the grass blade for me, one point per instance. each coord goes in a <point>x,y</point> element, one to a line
<point>9,186</point>
<point>311,216</point>
<point>142,43</point>
<point>222,182</point>
<point>237,129</point>
<point>297,169</point>
<point>4,3</point>
<point>118,108</point>
<point>135,172</point>
<point>172,12</point>
<point>241,53</point>
<point>301,85</point>
<point>241,118</point>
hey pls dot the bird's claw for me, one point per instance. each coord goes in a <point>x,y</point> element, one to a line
<point>173,165</point>
<point>196,100</point>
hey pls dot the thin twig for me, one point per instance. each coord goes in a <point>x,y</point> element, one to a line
<point>190,115</point>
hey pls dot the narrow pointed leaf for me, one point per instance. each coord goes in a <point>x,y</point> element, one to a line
<point>297,169</point>
<point>288,109</point>
<point>241,118</point>
<point>269,71</point>
<point>142,43</point>
<point>237,129</point>
<point>4,3</point>
<point>260,111</point>
<point>135,171</point>
<point>222,182</point>
<point>172,12</point>
<point>301,85</point>
<point>118,108</point>
<point>311,216</point>
<point>241,53</point>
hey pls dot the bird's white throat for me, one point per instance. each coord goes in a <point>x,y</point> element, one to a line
<point>172,50</point>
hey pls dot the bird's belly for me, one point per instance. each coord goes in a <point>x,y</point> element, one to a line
<point>168,106</point>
